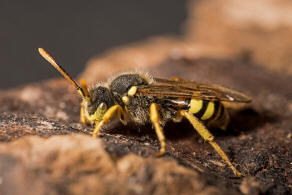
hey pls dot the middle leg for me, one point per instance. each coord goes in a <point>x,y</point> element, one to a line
<point>154,117</point>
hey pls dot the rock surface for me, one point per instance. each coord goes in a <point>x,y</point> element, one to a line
<point>258,140</point>
<point>78,164</point>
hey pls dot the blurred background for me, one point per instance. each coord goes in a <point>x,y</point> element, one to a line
<point>74,31</point>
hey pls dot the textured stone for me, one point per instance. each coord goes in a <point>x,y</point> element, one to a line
<point>78,164</point>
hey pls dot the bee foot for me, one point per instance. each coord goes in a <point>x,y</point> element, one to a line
<point>160,153</point>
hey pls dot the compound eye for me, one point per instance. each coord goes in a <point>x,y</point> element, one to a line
<point>102,106</point>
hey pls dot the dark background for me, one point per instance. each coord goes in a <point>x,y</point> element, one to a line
<point>74,31</point>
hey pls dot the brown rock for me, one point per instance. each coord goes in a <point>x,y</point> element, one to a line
<point>250,186</point>
<point>251,30</point>
<point>122,160</point>
<point>78,164</point>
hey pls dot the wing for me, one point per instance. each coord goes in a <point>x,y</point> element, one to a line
<point>162,88</point>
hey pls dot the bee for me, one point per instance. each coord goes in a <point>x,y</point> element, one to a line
<point>142,99</point>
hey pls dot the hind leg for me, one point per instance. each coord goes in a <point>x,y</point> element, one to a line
<point>201,129</point>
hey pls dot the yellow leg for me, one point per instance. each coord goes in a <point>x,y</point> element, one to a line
<point>154,117</point>
<point>84,87</point>
<point>107,116</point>
<point>201,129</point>
<point>83,119</point>
<point>175,78</point>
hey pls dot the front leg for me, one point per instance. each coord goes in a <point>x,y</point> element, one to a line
<point>110,113</point>
<point>83,118</point>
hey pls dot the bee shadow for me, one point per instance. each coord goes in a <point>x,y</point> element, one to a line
<point>246,120</point>
<point>171,130</point>
<point>243,120</point>
<point>116,128</point>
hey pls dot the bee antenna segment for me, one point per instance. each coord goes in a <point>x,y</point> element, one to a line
<point>50,59</point>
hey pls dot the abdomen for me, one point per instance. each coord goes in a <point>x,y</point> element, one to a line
<point>211,113</point>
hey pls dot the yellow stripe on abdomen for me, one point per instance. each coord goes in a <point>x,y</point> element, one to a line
<point>195,106</point>
<point>209,111</point>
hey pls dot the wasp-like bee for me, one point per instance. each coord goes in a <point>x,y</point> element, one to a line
<point>143,99</point>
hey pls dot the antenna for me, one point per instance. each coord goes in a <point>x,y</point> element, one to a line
<point>50,59</point>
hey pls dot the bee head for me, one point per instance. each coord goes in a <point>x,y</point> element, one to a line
<point>101,100</point>
<point>96,101</point>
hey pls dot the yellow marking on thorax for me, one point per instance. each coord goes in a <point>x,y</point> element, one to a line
<point>196,106</point>
<point>209,111</point>
<point>132,91</point>
<point>125,99</point>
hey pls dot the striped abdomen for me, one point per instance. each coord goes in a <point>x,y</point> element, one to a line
<point>212,113</point>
